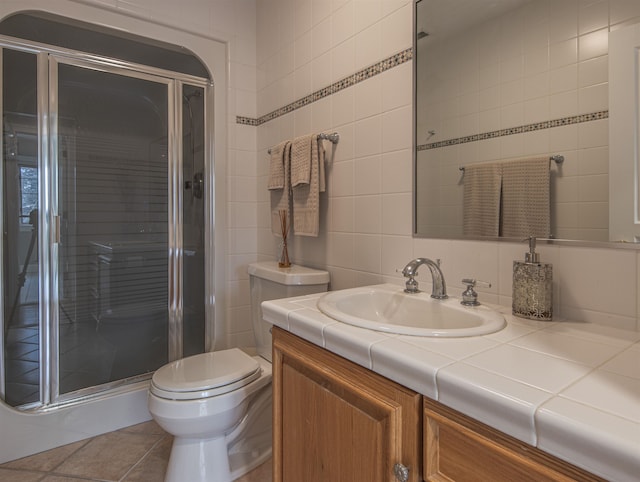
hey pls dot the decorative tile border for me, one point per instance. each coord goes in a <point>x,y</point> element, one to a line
<point>247,121</point>
<point>364,74</point>
<point>565,121</point>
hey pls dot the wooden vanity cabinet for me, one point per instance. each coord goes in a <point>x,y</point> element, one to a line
<point>337,421</point>
<point>458,448</point>
<point>334,420</point>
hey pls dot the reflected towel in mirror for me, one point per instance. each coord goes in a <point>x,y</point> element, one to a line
<point>526,198</point>
<point>481,199</point>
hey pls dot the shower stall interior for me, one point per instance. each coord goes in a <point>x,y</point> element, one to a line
<point>105,209</point>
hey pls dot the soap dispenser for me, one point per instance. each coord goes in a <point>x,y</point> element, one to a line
<point>533,286</point>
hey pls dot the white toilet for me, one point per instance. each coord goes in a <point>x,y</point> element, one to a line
<point>217,405</point>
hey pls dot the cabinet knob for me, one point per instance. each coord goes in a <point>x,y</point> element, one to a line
<point>401,472</point>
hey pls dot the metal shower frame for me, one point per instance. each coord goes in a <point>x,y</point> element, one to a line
<point>48,59</point>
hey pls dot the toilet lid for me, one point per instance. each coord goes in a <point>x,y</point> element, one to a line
<point>205,375</point>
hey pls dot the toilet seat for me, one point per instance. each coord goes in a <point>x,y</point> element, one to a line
<point>205,375</point>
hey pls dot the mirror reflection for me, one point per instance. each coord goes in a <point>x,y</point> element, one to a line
<point>505,91</point>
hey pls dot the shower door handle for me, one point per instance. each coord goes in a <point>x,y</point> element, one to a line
<point>197,185</point>
<point>55,235</point>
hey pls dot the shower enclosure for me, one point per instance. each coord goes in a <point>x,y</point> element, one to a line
<point>104,209</point>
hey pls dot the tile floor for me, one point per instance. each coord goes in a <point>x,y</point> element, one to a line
<point>133,454</point>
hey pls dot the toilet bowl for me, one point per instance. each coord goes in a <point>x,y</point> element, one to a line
<point>199,400</point>
<point>217,405</point>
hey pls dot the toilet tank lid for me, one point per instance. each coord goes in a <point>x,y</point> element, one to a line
<point>292,276</point>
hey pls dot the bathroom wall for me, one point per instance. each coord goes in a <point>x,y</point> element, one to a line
<point>304,46</point>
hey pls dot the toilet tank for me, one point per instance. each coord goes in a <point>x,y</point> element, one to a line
<point>270,282</point>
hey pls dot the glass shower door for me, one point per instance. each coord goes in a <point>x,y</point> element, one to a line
<point>103,215</point>
<point>20,219</point>
<point>193,207</point>
<point>113,215</point>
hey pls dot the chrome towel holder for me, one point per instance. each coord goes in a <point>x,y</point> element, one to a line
<point>334,137</point>
<point>558,159</point>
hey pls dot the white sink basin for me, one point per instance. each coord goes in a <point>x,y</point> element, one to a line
<point>388,308</point>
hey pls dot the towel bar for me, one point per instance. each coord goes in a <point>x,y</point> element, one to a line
<point>334,137</point>
<point>558,159</point>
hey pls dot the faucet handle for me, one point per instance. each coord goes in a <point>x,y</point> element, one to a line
<point>469,296</point>
<point>411,285</point>
<point>476,282</point>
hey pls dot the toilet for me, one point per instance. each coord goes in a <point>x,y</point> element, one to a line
<point>217,405</point>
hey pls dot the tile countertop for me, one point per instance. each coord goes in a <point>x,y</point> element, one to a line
<point>569,388</point>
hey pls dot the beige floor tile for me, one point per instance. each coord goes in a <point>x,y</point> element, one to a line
<point>62,478</point>
<point>146,428</point>
<point>263,473</point>
<point>139,454</point>
<point>45,461</point>
<point>10,475</point>
<point>154,465</point>
<point>109,456</point>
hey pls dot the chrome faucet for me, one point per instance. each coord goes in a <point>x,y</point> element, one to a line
<point>439,290</point>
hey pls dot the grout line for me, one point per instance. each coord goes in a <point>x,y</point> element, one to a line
<point>76,477</point>
<point>83,445</point>
<point>146,455</point>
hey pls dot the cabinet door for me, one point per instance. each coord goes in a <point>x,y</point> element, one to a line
<point>337,421</point>
<point>459,449</point>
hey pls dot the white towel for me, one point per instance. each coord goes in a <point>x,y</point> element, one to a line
<point>525,198</point>
<point>481,199</point>
<point>281,197</point>
<point>306,196</point>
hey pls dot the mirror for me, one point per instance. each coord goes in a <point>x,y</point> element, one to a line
<point>503,80</point>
